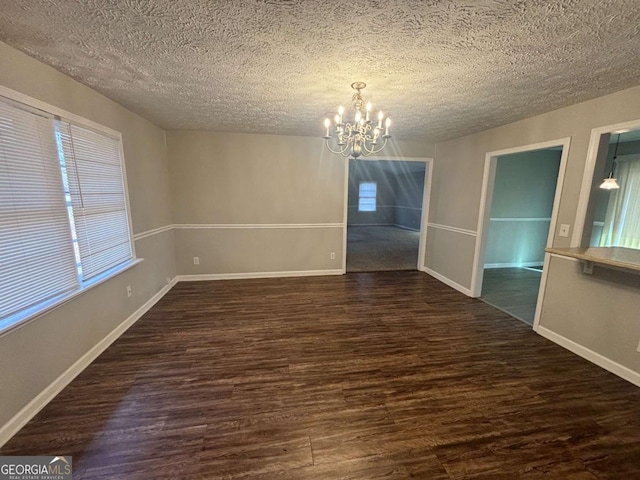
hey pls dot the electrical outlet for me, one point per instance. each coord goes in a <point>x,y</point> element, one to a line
<point>196,260</point>
<point>129,291</point>
<point>333,255</point>
<point>564,230</point>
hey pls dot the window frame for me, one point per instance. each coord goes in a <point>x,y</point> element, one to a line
<point>375,196</point>
<point>24,317</point>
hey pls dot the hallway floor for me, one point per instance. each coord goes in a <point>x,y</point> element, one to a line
<point>513,290</point>
<point>381,248</point>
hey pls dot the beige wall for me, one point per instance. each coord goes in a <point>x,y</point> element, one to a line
<point>35,354</point>
<point>599,311</point>
<point>240,194</point>
<point>457,183</point>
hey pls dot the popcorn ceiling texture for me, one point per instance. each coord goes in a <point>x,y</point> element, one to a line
<point>442,69</point>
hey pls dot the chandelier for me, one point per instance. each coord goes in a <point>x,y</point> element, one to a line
<point>362,137</point>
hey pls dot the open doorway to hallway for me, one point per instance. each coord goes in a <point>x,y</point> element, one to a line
<point>384,214</point>
<point>521,196</point>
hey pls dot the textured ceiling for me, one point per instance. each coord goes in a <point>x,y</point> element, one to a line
<point>440,68</point>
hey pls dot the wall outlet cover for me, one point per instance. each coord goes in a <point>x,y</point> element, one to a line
<point>564,230</point>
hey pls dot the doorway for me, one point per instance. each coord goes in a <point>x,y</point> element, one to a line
<point>385,205</point>
<point>517,222</point>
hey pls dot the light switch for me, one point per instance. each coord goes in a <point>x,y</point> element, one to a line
<point>564,230</point>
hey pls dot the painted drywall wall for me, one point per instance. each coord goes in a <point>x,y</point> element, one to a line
<point>255,203</point>
<point>409,195</point>
<point>456,188</point>
<point>523,193</point>
<point>250,204</point>
<point>37,353</point>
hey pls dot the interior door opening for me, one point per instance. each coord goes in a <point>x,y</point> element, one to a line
<point>384,214</point>
<point>521,199</point>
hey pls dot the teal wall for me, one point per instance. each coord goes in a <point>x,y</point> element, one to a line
<point>523,194</point>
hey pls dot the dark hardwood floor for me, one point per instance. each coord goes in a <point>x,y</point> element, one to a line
<point>514,290</point>
<point>366,376</point>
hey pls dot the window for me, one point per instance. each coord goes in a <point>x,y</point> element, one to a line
<point>63,213</point>
<point>367,197</point>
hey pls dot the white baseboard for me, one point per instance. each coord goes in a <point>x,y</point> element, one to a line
<point>513,265</point>
<point>604,362</point>
<point>448,281</point>
<point>240,276</point>
<point>30,410</point>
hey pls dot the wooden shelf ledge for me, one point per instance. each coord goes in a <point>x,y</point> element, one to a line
<point>612,257</point>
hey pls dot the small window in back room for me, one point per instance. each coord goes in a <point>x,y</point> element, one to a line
<point>367,197</point>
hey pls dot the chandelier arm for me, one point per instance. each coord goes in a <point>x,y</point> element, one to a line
<point>341,151</point>
<point>331,149</point>
<point>380,149</point>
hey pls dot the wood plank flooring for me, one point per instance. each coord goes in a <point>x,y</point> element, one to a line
<point>514,290</point>
<point>366,376</point>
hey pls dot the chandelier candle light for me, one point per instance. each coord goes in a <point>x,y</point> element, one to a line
<point>361,137</point>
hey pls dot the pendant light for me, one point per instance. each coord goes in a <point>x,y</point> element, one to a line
<point>611,183</point>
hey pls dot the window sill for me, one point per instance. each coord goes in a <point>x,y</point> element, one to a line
<point>17,321</point>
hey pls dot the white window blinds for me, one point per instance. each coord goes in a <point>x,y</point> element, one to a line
<point>94,167</point>
<point>36,253</point>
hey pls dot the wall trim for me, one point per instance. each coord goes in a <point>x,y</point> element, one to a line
<point>409,208</point>
<point>448,228</point>
<point>247,275</point>
<point>584,352</point>
<point>153,231</point>
<point>447,281</point>
<point>256,225</point>
<point>521,219</point>
<point>513,265</point>
<point>30,410</point>
<point>403,227</point>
